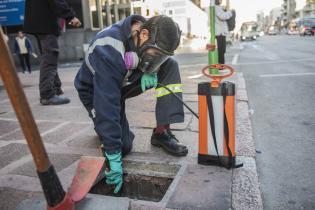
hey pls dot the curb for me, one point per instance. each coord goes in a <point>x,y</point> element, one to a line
<point>246,194</point>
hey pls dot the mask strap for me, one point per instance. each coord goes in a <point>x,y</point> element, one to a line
<point>138,39</point>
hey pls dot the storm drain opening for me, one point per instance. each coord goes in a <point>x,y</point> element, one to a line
<point>142,181</point>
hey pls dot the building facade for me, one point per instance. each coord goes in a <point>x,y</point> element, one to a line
<point>275,17</point>
<point>98,14</point>
<point>192,20</point>
<point>260,17</point>
<point>308,10</point>
<point>287,12</point>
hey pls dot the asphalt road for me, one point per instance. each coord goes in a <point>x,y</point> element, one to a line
<point>280,77</point>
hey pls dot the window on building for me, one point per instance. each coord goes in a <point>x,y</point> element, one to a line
<point>137,10</point>
<point>104,4</point>
<point>93,12</point>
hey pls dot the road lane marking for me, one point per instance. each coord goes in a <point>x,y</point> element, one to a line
<point>195,76</point>
<point>288,75</point>
<point>235,59</point>
<point>275,62</point>
<point>193,65</point>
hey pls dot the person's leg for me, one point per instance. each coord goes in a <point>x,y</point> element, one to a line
<point>57,85</point>
<point>127,135</point>
<point>224,48</point>
<point>27,60</point>
<point>48,70</point>
<point>48,65</point>
<point>168,109</point>
<point>21,58</point>
<point>221,41</point>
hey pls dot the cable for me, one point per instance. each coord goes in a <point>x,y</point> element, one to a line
<point>163,86</point>
<point>176,96</point>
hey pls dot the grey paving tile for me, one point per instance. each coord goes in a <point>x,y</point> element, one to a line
<point>190,97</point>
<point>203,187</point>
<point>147,119</point>
<point>7,126</point>
<point>11,198</point>
<point>12,152</point>
<point>60,161</point>
<point>141,142</point>
<point>88,139</point>
<point>18,135</point>
<point>63,132</point>
<point>60,113</point>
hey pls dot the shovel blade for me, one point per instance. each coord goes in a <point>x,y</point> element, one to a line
<point>87,171</point>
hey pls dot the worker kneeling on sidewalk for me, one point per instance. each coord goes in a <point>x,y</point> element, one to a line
<point>121,62</point>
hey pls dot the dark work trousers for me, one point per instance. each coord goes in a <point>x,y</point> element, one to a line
<point>49,81</point>
<point>168,109</point>
<point>25,59</point>
<point>221,41</point>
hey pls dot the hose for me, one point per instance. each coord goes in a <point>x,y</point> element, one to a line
<point>163,86</point>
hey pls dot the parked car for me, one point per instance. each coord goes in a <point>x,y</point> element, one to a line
<point>272,31</point>
<point>306,26</point>
<point>293,32</point>
<point>307,30</point>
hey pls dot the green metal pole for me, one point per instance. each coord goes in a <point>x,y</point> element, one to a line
<point>212,55</point>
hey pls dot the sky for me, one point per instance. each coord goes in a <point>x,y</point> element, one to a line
<point>246,10</point>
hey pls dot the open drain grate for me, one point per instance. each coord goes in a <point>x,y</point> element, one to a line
<point>143,181</point>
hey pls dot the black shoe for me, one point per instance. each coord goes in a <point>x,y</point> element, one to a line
<point>55,100</point>
<point>169,143</point>
<point>59,92</point>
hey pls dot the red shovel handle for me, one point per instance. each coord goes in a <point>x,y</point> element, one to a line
<point>216,79</point>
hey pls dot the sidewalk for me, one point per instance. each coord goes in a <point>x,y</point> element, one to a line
<point>68,133</point>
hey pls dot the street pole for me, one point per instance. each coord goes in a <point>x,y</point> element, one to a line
<point>227,5</point>
<point>49,180</point>
<point>212,54</point>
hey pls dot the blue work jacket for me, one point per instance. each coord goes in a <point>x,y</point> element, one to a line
<point>101,77</point>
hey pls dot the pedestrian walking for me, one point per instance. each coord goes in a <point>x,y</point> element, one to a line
<point>221,29</point>
<point>123,61</point>
<point>23,49</point>
<point>42,20</point>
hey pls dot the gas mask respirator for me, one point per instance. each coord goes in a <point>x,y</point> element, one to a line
<point>164,38</point>
<point>149,62</point>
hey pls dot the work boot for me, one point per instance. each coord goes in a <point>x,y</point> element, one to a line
<point>169,143</point>
<point>55,100</point>
<point>59,92</point>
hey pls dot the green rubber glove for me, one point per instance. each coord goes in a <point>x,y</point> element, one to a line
<point>148,80</point>
<point>115,175</point>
